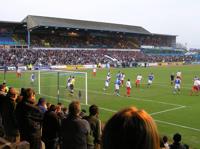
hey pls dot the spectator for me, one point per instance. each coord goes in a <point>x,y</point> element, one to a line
<point>131,128</point>
<point>74,129</point>
<point>48,105</point>
<point>94,138</point>
<point>29,118</point>
<point>176,144</point>
<point>165,141</point>
<point>51,128</point>
<point>2,99</point>
<point>42,105</point>
<point>59,111</point>
<point>8,115</point>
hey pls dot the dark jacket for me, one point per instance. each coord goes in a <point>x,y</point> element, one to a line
<point>176,146</point>
<point>51,126</point>
<point>29,118</point>
<point>2,99</point>
<point>9,118</point>
<point>74,132</point>
<point>95,132</point>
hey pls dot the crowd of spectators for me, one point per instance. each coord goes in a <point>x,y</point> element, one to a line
<point>69,128</point>
<point>117,42</point>
<point>73,57</point>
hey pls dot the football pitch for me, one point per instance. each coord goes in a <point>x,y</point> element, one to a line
<point>172,112</point>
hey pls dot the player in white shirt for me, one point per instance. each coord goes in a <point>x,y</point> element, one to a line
<point>128,88</point>
<point>68,82</point>
<point>138,80</point>
<point>122,79</point>
<point>19,73</point>
<point>179,75</point>
<point>195,87</point>
<point>94,72</point>
<point>107,82</point>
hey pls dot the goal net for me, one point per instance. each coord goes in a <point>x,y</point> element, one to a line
<point>64,86</point>
<point>53,84</point>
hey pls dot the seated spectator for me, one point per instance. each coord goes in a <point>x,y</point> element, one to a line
<point>94,138</point>
<point>176,144</point>
<point>131,128</point>
<point>74,129</point>
<point>51,128</point>
<point>29,118</point>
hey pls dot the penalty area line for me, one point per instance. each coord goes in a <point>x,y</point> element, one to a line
<point>158,121</point>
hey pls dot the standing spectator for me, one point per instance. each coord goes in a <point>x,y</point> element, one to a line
<point>8,115</point>
<point>74,129</point>
<point>176,144</point>
<point>59,111</point>
<point>51,128</point>
<point>131,128</point>
<point>165,141</point>
<point>2,99</point>
<point>29,119</point>
<point>94,138</point>
<point>42,105</point>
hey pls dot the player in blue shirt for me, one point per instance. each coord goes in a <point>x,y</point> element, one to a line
<point>150,79</point>
<point>177,86</point>
<point>117,85</point>
<point>32,78</point>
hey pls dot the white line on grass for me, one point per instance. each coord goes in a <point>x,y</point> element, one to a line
<point>159,121</point>
<point>178,125</point>
<point>133,98</point>
<point>164,111</point>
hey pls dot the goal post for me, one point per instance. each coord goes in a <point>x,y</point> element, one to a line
<point>53,84</point>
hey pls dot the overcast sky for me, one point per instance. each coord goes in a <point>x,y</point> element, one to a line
<point>177,17</point>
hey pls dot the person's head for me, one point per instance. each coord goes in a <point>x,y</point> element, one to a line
<point>12,93</point>
<point>177,138</point>
<point>52,108</point>
<point>74,108</point>
<point>131,128</point>
<point>128,79</point>
<point>48,105</point>
<point>93,110</point>
<point>29,95</point>
<point>58,108</point>
<point>22,92</point>
<point>65,110</point>
<point>42,102</point>
<point>165,139</point>
<point>2,88</point>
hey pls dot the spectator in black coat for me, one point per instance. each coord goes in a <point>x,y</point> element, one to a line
<point>2,99</point>
<point>95,125</point>
<point>8,115</point>
<point>74,129</point>
<point>29,119</point>
<point>176,144</point>
<point>51,128</point>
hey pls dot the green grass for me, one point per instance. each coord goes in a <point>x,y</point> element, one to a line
<point>172,113</point>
